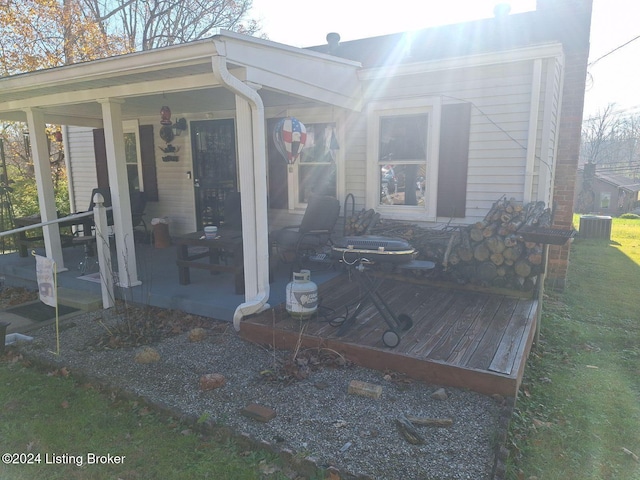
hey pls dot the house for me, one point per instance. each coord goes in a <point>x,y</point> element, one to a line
<point>605,193</point>
<point>430,126</point>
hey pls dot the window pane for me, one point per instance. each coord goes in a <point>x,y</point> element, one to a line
<point>317,148</point>
<point>403,159</point>
<point>317,169</point>
<point>402,184</point>
<point>403,138</point>
<point>130,153</point>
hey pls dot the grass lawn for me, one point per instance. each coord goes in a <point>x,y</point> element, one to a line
<point>578,411</point>
<point>56,424</point>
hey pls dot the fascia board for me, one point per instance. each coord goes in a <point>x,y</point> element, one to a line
<point>552,50</point>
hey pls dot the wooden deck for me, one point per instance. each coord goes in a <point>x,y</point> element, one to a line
<point>459,338</point>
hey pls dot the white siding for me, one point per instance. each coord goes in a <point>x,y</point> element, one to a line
<point>82,177</point>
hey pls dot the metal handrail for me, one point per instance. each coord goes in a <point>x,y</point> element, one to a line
<point>50,222</point>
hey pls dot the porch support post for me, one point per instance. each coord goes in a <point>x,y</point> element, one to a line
<point>44,182</point>
<point>119,185</point>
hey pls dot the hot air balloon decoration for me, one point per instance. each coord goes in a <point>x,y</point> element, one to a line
<point>290,136</point>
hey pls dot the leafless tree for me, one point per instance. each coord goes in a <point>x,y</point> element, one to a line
<point>149,24</point>
<point>597,133</point>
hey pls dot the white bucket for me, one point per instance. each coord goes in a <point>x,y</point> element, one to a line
<point>210,232</point>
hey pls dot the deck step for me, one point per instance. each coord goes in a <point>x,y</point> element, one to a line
<point>81,300</point>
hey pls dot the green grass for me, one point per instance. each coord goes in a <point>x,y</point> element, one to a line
<point>51,414</point>
<point>578,411</point>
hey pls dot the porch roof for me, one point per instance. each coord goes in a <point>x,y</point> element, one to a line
<point>181,76</point>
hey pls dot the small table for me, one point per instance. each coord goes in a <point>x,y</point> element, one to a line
<point>228,241</point>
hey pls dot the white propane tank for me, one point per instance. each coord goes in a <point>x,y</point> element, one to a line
<point>302,295</point>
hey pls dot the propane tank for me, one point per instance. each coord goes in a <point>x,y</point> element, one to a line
<point>302,295</point>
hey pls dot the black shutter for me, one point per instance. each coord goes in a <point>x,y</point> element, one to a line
<point>454,160</point>
<point>100,152</point>
<point>148,154</point>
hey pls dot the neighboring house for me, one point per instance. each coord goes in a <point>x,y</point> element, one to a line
<point>431,126</point>
<point>605,193</point>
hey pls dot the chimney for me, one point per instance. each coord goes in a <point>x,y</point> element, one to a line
<point>333,43</point>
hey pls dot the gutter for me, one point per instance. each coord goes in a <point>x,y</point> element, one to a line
<point>255,212</point>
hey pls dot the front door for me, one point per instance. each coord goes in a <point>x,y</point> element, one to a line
<point>213,144</point>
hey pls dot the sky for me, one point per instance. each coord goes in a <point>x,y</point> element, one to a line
<point>613,78</point>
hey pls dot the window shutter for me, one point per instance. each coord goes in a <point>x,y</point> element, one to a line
<point>100,152</point>
<point>454,160</point>
<point>148,154</point>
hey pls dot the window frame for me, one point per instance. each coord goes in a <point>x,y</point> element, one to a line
<point>432,107</point>
<point>132,127</point>
<point>311,118</point>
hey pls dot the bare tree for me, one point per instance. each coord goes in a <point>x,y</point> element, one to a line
<point>149,24</point>
<point>597,133</point>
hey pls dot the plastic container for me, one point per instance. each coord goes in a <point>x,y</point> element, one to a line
<point>210,232</point>
<point>302,295</point>
<point>161,237</point>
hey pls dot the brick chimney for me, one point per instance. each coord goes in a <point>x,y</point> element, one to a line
<point>569,21</point>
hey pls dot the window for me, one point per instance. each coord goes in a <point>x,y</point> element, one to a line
<point>418,154</point>
<point>134,167</point>
<point>316,165</point>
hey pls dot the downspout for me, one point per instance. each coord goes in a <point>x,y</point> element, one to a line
<point>260,224</point>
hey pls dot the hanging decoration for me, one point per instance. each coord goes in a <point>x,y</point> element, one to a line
<point>290,136</point>
<point>165,115</point>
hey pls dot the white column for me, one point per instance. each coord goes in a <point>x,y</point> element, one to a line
<point>119,185</point>
<point>44,182</point>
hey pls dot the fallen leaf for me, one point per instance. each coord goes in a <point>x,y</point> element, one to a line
<point>540,423</point>
<point>65,404</point>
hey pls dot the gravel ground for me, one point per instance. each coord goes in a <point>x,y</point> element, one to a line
<point>316,417</point>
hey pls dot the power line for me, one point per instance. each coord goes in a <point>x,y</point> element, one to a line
<point>612,51</point>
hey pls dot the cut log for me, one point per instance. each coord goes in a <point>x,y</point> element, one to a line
<point>522,268</point>
<point>495,244</point>
<point>481,252</point>
<point>497,258</point>
<point>487,271</point>
<point>476,234</point>
<point>512,253</point>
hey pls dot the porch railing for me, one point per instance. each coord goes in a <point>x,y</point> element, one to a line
<point>102,244</point>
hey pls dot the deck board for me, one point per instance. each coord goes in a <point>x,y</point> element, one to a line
<point>471,339</point>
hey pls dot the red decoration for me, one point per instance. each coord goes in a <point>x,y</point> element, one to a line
<point>165,115</point>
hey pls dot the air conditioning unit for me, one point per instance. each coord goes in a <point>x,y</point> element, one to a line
<point>595,226</point>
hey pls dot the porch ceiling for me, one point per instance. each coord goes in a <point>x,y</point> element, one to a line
<point>179,76</point>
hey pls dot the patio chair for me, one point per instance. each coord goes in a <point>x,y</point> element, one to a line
<point>293,242</point>
<point>138,204</point>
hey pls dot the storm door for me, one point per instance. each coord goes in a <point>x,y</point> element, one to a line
<point>213,144</point>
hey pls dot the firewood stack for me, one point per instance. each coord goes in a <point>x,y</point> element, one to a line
<point>493,253</point>
<point>361,223</point>
<point>489,253</point>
